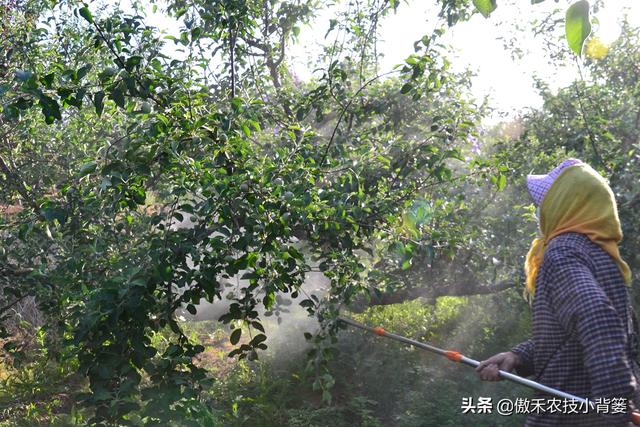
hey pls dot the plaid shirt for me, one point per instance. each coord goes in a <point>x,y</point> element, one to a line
<point>584,331</point>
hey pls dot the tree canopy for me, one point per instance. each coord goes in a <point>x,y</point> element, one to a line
<point>143,174</point>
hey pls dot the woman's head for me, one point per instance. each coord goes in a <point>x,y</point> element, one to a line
<point>574,198</point>
<point>538,185</point>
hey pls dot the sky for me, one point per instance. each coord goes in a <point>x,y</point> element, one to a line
<point>476,45</point>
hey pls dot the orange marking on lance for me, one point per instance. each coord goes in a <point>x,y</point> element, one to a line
<point>379,331</point>
<point>454,356</point>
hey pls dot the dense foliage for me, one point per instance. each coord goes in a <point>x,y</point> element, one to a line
<point>143,175</point>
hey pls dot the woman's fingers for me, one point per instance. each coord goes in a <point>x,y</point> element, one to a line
<point>497,359</point>
<point>489,369</point>
<point>482,365</point>
<point>490,372</point>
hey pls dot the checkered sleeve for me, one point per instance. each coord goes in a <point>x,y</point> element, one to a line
<point>525,351</point>
<point>583,308</point>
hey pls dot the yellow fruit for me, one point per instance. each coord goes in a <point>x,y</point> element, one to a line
<point>595,49</point>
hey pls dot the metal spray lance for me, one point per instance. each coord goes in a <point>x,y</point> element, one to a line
<point>456,356</point>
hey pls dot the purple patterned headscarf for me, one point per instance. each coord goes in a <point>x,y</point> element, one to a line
<point>538,185</point>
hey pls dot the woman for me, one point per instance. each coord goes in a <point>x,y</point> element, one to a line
<point>584,337</point>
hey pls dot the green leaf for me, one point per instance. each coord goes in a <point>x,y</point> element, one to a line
<point>269,299</point>
<point>577,25</point>
<point>536,1</point>
<point>86,14</point>
<point>118,97</point>
<point>332,25</point>
<point>412,60</point>
<point>502,182</point>
<point>52,212</point>
<point>23,75</point>
<point>254,124</point>
<point>82,71</point>
<point>196,33</point>
<point>145,107</point>
<point>406,88</point>
<point>108,72</point>
<point>98,102</point>
<point>50,109</point>
<point>23,103</point>
<point>257,325</point>
<point>48,80</point>
<point>258,339</point>
<point>88,168</point>
<point>173,350</point>
<point>485,7</point>
<point>235,336</point>
<point>191,309</point>
<point>132,62</point>
<point>10,111</point>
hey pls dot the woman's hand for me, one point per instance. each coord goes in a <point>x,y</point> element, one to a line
<point>488,369</point>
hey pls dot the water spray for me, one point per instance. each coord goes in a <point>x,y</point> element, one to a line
<point>456,356</point>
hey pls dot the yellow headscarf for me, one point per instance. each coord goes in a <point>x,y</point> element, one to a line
<point>581,201</point>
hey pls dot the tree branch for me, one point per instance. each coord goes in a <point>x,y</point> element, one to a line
<point>13,178</point>
<point>344,110</point>
<point>464,288</point>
